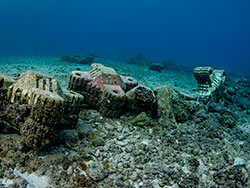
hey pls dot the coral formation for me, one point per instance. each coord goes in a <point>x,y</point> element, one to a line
<point>35,105</point>
<point>172,106</point>
<point>129,82</point>
<point>188,143</point>
<point>210,83</point>
<point>140,99</point>
<point>102,88</point>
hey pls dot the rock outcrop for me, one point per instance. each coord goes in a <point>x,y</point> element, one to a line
<point>210,83</point>
<point>102,88</point>
<point>35,105</point>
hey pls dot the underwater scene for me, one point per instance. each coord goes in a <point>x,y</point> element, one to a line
<point>129,94</point>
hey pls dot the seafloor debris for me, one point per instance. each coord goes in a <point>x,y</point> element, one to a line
<point>136,151</point>
<point>210,83</point>
<point>35,105</point>
<point>102,88</point>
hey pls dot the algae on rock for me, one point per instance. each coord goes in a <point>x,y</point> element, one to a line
<point>172,107</point>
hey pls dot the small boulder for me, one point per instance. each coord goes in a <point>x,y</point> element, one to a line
<point>156,67</point>
<point>140,99</point>
<point>164,95</point>
<point>172,106</point>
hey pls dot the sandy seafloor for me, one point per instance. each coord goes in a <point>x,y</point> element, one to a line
<point>127,155</point>
<point>60,70</point>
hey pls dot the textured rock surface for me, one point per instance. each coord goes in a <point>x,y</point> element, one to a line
<point>171,106</point>
<point>164,97</point>
<point>140,99</point>
<point>35,105</point>
<point>210,83</point>
<point>103,152</point>
<point>102,88</point>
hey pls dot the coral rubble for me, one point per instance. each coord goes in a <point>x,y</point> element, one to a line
<point>238,94</point>
<point>170,139</point>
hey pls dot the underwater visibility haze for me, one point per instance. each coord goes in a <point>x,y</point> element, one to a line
<point>133,93</point>
<point>213,33</point>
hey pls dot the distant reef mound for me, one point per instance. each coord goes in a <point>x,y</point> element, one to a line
<point>79,59</point>
<point>139,60</point>
<point>158,66</point>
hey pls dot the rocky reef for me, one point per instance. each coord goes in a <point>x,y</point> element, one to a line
<point>129,136</point>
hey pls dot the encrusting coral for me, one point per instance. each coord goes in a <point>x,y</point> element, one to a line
<point>102,88</point>
<point>210,83</point>
<point>35,105</point>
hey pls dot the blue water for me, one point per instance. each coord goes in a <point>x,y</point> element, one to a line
<point>209,32</point>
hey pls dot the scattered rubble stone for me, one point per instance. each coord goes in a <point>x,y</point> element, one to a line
<point>172,107</point>
<point>141,99</point>
<point>238,94</point>
<point>199,146</point>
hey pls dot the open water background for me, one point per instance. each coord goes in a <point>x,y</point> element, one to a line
<point>208,33</point>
